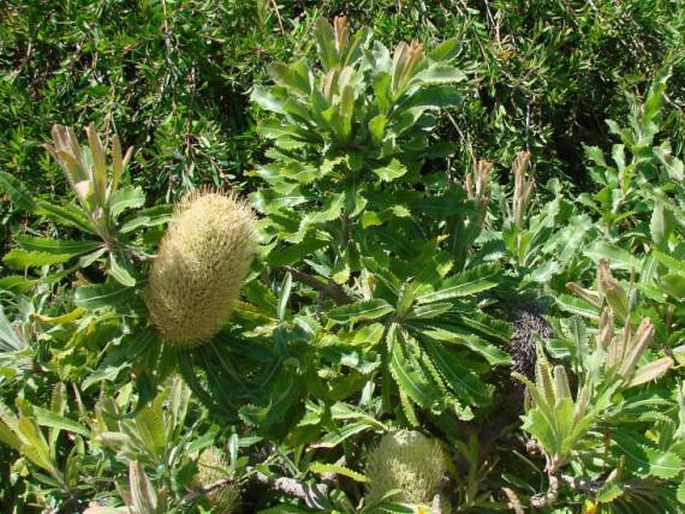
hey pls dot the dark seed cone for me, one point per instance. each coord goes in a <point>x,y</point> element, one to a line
<point>200,267</point>
<point>527,322</point>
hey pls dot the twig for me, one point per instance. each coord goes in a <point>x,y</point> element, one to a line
<point>314,496</point>
<point>331,290</point>
<point>545,500</point>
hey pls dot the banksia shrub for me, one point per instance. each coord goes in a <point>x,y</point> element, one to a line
<point>211,471</point>
<point>201,264</point>
<point>408,461</point>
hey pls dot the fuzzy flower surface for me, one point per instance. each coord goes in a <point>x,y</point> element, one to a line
<point>211,468</point>
<point>408,461</point>
<point>200,267</point>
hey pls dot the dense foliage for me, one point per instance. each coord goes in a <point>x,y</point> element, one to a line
<point>301,279</point>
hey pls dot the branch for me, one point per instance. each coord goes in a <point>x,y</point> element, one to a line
<point>545,500</point>
<point>331,290</point>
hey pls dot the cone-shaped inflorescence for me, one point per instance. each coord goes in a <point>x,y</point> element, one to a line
<point>201,264</point>
<point>223,496</point>
<point>408,461</point>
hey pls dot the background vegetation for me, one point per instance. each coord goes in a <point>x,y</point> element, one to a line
<point>507,186</point>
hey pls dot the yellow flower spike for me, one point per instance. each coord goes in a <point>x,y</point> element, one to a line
<point>202,262</point>
<point>408,461</point>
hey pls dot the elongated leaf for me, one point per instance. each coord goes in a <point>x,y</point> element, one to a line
<point>9,340</point>
<point>100,296</point>
<point>59,320</point>
<point>674,265</point>
<point>47,418</point>
<point>618,257</point>
<point>456,335</point>
<point>462,380</point>
<point>651,371</point>
<point>577,306</point>
<point>471,282</point>
<point>322,468</point>
<point>56,246</point>
<point>334,438</point>
<point>68,215</point>
<point>412,380</point>
<point>17,192</point>
<point>119,272</point>
<point>20,259</point>
<point>143,495</point>
<point>126,198</point>
<point>370,309</point>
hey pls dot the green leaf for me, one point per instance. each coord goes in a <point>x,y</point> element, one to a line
<point>322,468</point>
<point>680,492</point>
<point>446,50</point>
<point>17,284</point>
<point>456,373</point>
<point>101,296</point>
<point>577,306</point>
<point>68,215</point>
<point>340,434</point>
<point>674,265</point>
<point>47,418</point>
<point>125,198</point>
<point>470,282</point>
<point>412,380</point>
<point>119,272</point>
<point>661,224</point>
<point>664,464</point>
<point>456,335</point>
<point>296,252</point>
<point>395,169</point>
<point>377,127</point>
<point>17,191</point>
<point>9,340</point>
<point>20,259</point>
<point>439,75</point>
<point>56,246</point>
<point>618,257</point>
<point>368,335</point>
<point>365,310</point>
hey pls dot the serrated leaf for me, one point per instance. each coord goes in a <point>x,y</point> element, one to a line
<point>664,464</point>
<point>366,310</point>
<point>125,198</point>
<point>412,380</point>
<point>470,282</point>
<point>20,259</point>
<point>68,215</point>
<point>393,170</point>
<point>680,492</point>
<point>463,381</point>
<point>618,257</point>
<point>456,335</point>
<point>119,272</point>
<point>56,246</point>
<point>577,306</point>
<point>651,371</point>
<point>17,191</point>
<point>100,296</point>
<point>47,418</point>
<point>322,468</point>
